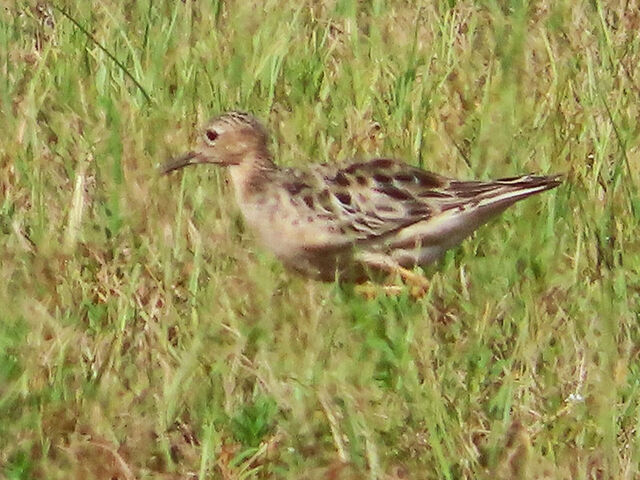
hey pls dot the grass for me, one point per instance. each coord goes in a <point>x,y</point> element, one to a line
<point>144,334</point>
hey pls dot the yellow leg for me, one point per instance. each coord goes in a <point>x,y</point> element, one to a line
<point>418,285</point>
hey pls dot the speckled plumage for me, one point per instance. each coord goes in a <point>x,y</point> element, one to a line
<point>329,221</point>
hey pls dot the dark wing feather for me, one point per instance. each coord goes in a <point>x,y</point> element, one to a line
<point>371,201</point>
<point>380,197</point>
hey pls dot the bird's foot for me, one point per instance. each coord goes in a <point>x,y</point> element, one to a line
<point>417,285</point>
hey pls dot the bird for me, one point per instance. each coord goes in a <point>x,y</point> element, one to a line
<point>350,222</point>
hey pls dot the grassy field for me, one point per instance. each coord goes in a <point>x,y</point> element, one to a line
<point>144,334</point>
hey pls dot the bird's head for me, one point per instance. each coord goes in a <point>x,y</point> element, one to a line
<point>229,139</point>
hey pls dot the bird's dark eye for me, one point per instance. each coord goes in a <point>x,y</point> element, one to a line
<point>211,135</point>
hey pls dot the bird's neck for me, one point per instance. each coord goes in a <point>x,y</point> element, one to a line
<point>251,176</point>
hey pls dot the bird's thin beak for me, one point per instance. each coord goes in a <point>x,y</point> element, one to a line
<point>189,158</point>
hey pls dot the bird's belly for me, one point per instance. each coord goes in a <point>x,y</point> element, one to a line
<point>306,247</point>
<point>299,252</point>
